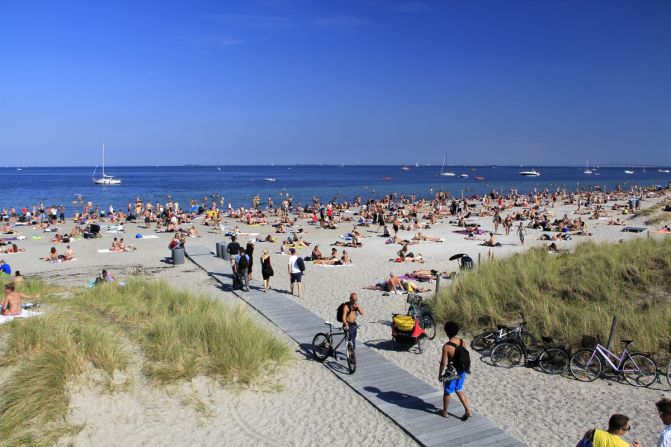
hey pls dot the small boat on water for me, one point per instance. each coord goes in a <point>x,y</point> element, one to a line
<point>587,170</point>
<point>405,168</point>
<point>626,171</point>
<point>663,171</point>
<point>479,178</point>
<point>105,179</point>
<point>463,175</point>
<point>442,170</point>
<point>270,179</point>
<point>532,173</point>
<point>387,178</point>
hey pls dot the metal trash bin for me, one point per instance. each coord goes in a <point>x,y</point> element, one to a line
<point>226,255</point>
<point>220,249</point>
<point>177,256</point>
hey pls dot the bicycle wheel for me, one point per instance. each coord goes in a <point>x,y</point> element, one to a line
<point>429,325</point>
<point>506,355</point>
<point>585,367</point>
<point>639,370</point>
<point>554,361</point>
<point>321,346</point>
<point>351,358</point>
<point>483,341</point>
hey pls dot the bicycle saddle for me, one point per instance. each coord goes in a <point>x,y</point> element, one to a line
<point>501,326</point>
<point>626,342</point>
<point>547,339</point>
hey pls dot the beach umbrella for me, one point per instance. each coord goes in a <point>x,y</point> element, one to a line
<point>458,256</point>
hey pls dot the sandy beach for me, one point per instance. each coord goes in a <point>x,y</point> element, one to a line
<point>309,407</point>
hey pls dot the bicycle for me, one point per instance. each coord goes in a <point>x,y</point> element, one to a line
<point>421,311</point>
<point>322,346</point>
<point>492,337</point>
<point>550,358</point>
<point>588,364</point>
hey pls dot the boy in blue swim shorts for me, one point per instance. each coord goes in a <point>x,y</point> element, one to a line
<point>452,356</point>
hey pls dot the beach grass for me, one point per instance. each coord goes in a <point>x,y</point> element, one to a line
<point>46,353</point>
<point>571,294</point>
<point>183,335</point>
<point>658,218</point>
<point>180,336</point>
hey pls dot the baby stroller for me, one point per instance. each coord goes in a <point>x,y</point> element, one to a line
<point>405,329</point>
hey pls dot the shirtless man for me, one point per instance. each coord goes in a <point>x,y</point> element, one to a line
<point>350,312</point>
<point>11,304</point>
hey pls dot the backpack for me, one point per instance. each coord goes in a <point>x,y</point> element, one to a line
<point>461,359</point>
<point>340,313</point>
<point>243,263</point>
<point>300,264</point>
<point>587,440</point>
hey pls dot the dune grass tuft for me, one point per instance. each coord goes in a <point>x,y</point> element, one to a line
<point>571,294</point>
<point>184,336</point>
<point>180,335</point>
<point>48,352</point>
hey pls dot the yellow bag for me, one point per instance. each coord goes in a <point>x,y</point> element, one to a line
<point>405,323</point>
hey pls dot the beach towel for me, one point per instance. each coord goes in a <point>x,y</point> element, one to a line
<point>107,250</point>
<point>24,314</point>
<point>148,236</point>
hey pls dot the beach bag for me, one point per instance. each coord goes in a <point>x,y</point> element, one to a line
<point>450,373</point>
<point>461,359</point>
<point>300,264</point>
<point>587,440</point>
<point>404,323</point>
<point>340,313</point>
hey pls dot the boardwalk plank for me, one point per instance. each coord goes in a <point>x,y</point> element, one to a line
<point>406,400</point>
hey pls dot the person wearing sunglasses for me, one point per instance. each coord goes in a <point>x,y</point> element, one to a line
<point>664,410</point>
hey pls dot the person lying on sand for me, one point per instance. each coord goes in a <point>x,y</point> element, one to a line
<point>664,230</point>
<point>13,249</point>
<point>396,284</point>
<point>192,232</point>
<point>344,260</point>
<point>426,274</point>
<point>6,229</point>
<point>284,248</point>
<point>69,254</point>
<point>616,222</point>
<point>352,244</point>
<point>421,237</point>
<point>11,304</point>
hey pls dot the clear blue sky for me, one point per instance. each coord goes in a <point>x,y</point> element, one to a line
<point>378,81</point>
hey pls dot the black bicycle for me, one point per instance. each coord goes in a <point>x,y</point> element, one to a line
<point>421,311</point>
<point>491,337</point>
<point>552,359</point>
<point>323,346</point>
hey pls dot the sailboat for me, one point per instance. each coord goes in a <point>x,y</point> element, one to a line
<point>105,179</point>
<point>442,169</point>
<point>587,170</point>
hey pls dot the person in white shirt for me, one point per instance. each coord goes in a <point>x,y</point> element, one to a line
<point>664,410</point>
<point>295,273</point>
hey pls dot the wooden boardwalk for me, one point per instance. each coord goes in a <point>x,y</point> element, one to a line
<point>408,401</point>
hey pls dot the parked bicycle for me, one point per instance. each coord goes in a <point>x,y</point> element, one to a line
<point>323,346</point>
<point>551,358</point>
<point>489,338</point>
<point>421,311</point>
<point>588,364</point>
